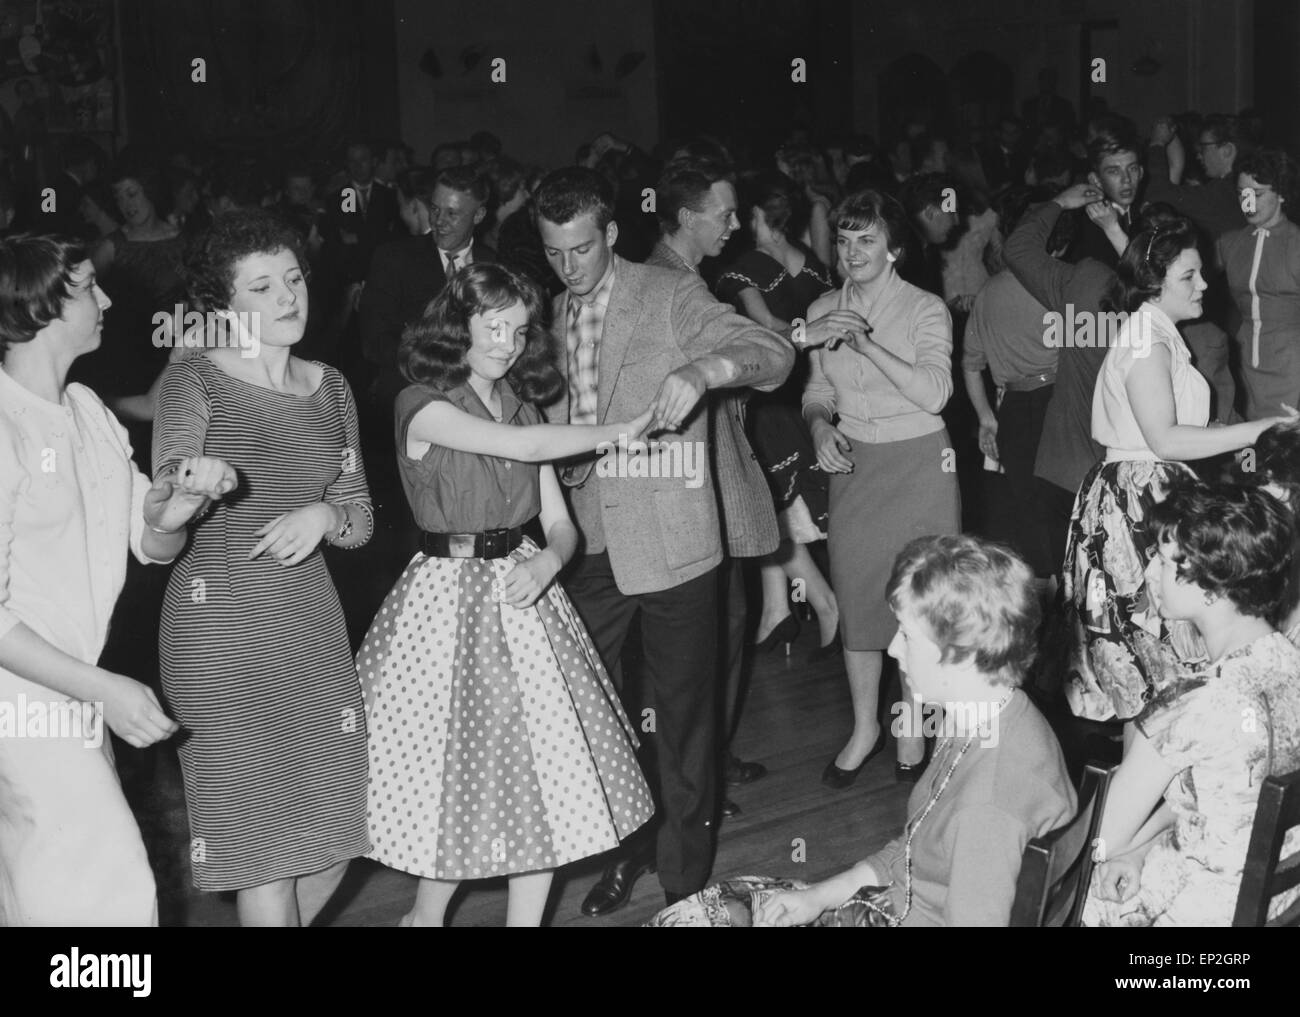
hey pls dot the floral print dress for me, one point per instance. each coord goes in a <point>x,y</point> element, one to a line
<point>1224,728</point>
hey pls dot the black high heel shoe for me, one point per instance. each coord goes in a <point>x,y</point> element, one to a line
<point>831,651</point>
<point>910,773</point>
<point>786,631</point>
<point>837,779</point>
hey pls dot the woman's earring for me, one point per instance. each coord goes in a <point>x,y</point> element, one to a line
<point>1208,597</point>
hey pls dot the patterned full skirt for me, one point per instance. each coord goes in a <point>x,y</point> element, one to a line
<point>497,742</point>
<point>1130,652</point>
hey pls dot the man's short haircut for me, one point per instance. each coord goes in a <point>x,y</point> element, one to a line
<point>1114,134</point>
<point>467,179</point>
<point>565,194</point>
<point>684,183</point>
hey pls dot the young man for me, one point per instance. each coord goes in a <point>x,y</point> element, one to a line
<point>633,335</point>
<point>1116,171</point>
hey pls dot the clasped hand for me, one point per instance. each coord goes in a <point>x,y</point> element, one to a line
<point>528,580</point>
<point>176,498</point>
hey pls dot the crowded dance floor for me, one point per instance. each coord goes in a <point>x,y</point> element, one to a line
<point>650,463</point>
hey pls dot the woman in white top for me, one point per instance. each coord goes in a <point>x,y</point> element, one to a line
<point>71,503</point>
<point>1150,410</point>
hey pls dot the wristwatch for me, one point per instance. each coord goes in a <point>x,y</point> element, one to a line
<point>345,530</point>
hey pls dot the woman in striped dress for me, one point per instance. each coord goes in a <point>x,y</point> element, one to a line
<point>256,662</point>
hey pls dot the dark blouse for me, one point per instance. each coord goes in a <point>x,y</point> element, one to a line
<point>462,492</point>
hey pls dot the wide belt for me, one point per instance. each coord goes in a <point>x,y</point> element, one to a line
<point>485,544</point>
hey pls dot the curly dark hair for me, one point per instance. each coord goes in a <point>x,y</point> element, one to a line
<point>1140,274</point>
<point>433,349</point>
<point>1273,168</point>
<point>146,171</point>
<point>213,259</point>
<point>35,281</point>
<point>1233,541</point>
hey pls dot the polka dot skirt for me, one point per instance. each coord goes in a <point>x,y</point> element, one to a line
<point>497,743</point>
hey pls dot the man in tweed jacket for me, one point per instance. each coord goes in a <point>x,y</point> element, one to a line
<point>629,336</point>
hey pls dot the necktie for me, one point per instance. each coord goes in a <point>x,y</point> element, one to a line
<point>1256,324</point>
<point>453,263</point>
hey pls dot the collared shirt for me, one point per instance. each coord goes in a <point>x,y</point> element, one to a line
<point>1005,333</point>
<point>462,492</point>
<point>363,195</point>
<point>913,325</point>
<point>586,327</point>
<point>462,257</point>
<point>71,503</point>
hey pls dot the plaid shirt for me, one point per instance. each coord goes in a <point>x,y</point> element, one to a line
<point>586,326</point>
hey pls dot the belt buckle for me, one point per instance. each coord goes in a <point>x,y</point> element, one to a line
<point>494,543</point>
<point>460,545</point>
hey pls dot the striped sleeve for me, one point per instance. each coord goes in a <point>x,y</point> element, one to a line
<point>350,486</point>
<point>181,423</point>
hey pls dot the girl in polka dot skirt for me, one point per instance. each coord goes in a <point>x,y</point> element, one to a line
<point>497,743</point>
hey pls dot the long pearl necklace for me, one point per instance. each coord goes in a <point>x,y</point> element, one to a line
<point>915,824</point>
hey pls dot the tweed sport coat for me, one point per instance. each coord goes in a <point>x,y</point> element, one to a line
<point>660,531</point>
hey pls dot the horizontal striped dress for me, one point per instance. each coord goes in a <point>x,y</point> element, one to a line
<point>256,664</point>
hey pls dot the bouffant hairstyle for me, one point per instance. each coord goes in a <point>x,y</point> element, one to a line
<point>35,281</point>
<point>779,200</point>
<point>975,598</point>
<point>1275,168</point>
<point>213,259</point>
<point>567,193</point>
<point>433,349</point>
<point>1140,275</point>
<point>865,209</point>
<point>1233,541</point>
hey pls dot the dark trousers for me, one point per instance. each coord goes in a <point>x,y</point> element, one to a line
<point>1020,426</point>
<point>731,652</point>
<point>1060,505</point>
<point>679,634</point>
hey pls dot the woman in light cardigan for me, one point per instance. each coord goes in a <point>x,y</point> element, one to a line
<point>873,407</point>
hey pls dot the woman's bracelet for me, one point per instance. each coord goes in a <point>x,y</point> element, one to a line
<point>164,533</point>
<point>345,530</point>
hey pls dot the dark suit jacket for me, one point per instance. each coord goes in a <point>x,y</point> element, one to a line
<point>404,276</point>
<point>381,222</point>
<point>660,532</point>
<point>1066,450</point>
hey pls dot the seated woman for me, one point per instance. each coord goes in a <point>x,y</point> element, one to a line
<point>1210,736</point>
<point>967,616</point>
<point>1274,466</point>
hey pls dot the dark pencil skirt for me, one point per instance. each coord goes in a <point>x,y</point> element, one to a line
<point>898,490</point>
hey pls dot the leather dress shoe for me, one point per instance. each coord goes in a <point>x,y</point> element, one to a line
<point>910,773</point>
<point>614,888</point>
<point>737,771</point>
<point>729,808</point>
<point>834,777</point>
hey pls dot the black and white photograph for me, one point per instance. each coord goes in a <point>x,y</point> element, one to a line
<point>651,463</point>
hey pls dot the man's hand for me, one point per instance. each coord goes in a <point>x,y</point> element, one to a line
<point>988,437</point>
<point>1077,196</point>
<point>677,396</point>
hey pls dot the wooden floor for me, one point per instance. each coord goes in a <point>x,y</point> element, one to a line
<point>796,718</point>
